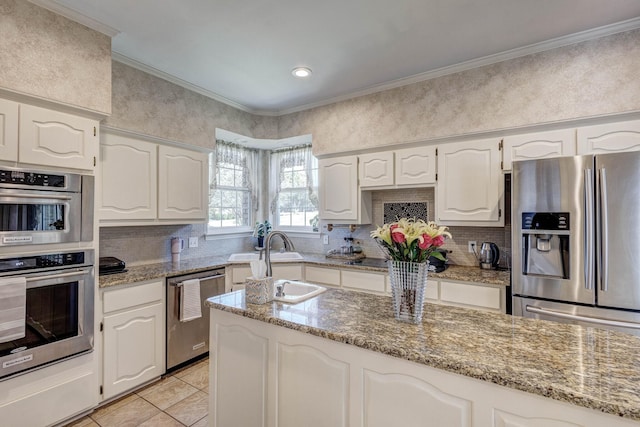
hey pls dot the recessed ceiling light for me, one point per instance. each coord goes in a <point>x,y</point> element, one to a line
<point>301,72</point>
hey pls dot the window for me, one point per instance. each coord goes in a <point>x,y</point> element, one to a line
<point>232,195</point>
<point>294,173</point>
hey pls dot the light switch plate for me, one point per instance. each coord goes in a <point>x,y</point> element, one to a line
<point>325,239</point>
<point>193,242</point>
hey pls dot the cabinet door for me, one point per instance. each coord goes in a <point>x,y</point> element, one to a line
<point>133,348</point>
<point>376,169</point>
<point>485,297</point>
<point>538,146</point>
<point>609,138</point>
<point>470,183</point>
<point>8,130</point>
<point>52,138</point>
<point>416,166</point>
<point>373,282</point>
<point>338,188</point>
<point>183,184</point>
<point>129,178</point>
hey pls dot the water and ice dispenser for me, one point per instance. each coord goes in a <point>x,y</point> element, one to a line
<point>545,244</point>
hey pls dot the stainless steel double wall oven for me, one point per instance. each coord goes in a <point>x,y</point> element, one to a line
<point>47,283</point>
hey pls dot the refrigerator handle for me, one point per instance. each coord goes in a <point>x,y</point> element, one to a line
<point>604,231</point>
<point>577,317</point>
<point>589,230</point>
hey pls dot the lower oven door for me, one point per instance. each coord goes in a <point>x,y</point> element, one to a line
<point>58,320</point>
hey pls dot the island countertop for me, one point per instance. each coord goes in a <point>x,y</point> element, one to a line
<point>588,367</point>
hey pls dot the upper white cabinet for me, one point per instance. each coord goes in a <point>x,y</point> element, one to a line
<point>52,138</point>
<point>470,184</point>
<point>129,178</point>
<point>143,182</point>
<point>340,197</point>
<point>376,169</point>
<point>8,130</point>
<point>416,166</point>
<point>183,183</point>
<point>538,145</point>
<point>609,138</point>
<point>408,167</point>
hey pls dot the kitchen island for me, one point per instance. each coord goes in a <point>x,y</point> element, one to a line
<point>341,359</point>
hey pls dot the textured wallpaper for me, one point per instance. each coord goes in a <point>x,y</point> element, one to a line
<point>153,106</point>
<point>48,56</point>
<point>597,77</point>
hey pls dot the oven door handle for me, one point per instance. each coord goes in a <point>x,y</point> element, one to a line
<point>595,320</point>
<point>38,196</point>
<point>55,276</point>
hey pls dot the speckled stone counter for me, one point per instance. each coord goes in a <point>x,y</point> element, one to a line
<point>153,271</point>
<point>587,367</point>
<point>141,273</point>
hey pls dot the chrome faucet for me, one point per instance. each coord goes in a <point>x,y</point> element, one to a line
<point>288,246</point>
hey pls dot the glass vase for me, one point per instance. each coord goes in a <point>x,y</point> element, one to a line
<point>408,283</point>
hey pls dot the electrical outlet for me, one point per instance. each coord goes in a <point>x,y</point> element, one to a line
<point>472,245</point>
<point>193,242</point>
<point>325,239</point>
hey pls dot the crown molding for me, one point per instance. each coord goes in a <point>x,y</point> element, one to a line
<point>558,42</point>
<point>76,16</point>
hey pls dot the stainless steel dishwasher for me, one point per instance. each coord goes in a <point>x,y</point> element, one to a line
<point>189,340</point>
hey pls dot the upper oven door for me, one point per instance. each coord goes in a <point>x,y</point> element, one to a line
<point>39,217</point>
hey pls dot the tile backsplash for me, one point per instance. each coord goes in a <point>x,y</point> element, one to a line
<point>148,244</point>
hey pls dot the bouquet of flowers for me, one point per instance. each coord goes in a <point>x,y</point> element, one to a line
<point>410,239</point>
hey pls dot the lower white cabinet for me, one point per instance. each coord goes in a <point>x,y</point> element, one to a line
<point>133,336</point>
<point>363,280</point>
<point>322,276</point>
<point>473,295</point>
<point>266,375</point>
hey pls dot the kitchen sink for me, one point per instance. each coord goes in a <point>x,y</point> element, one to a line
<point>295,291</point>
<point>275,257</point>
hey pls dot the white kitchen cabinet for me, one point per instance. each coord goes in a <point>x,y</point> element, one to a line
<point>473,295</point>
<point>538,145</point>
<point>263,374</point>
<point>363,281</point>
<point>183,184</point>
<point>341,200</point>
<point>409,167</point>
<point>52,138</point>
<point>134,336</point>
<point>376,169</point>
<point>470,184</point>
<point>609,138</point>
<point>147,183</point>
<point>415,166</point>
<point>129,178</point>
<point>322,275</point>
<point>8,130</point>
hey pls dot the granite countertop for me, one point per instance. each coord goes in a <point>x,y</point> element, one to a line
<point>140,273</point>
<point>588,367</point>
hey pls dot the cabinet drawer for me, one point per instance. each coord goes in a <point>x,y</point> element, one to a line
<point>365,281</point>
<point>240,274</point>
<point>472,295</point>
<point>431,291</point>
<point>290,272</point>
<point>325,276</point>
<point>122,298</point>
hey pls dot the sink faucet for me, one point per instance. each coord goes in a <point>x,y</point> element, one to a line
<point>288,246</point>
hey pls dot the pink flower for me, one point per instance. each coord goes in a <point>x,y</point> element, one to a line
<point>438,241</point>
<point>397,234</point>
<point>424,241</point>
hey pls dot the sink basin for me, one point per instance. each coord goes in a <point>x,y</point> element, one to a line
<point>295,291</point>
<point>275,257</point>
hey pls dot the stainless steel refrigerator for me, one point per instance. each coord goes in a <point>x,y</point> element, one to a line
<point>576,240</point>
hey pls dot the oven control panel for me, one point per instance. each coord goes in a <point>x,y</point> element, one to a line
<point>32,179</point>
<point>42,261</point>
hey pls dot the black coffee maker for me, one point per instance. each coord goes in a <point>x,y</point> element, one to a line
<point>489,256</point>
<point>437,265</point>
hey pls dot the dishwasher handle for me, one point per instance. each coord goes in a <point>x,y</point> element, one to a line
<point>202,279</point>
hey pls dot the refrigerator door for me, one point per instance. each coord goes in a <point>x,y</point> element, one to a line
<point>618,230</point>
<point>553,225</point>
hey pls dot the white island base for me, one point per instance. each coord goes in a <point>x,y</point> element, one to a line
<point>266,375</point>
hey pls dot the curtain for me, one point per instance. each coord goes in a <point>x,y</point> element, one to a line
<point>289,157</point>
<point>246,158</point>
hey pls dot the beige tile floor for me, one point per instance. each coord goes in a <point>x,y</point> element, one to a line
<point>179,399</point>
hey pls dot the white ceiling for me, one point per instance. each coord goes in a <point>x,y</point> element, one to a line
<point>242,51</point>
